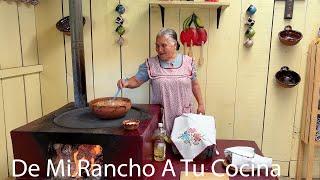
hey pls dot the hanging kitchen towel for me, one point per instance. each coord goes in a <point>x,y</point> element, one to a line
<point>192,133</point>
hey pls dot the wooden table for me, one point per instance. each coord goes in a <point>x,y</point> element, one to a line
<point>219,168</point>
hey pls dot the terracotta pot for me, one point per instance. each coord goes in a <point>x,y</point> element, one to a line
<point>289,37</point>
<point>109,108</point>
<point>287,78</point>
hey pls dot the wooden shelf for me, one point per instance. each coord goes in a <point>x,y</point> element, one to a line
<point>184,4</point>
<point>317,143</point>
<point>222,4</point>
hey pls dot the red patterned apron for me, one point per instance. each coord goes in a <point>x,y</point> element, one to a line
<point>171,88</point>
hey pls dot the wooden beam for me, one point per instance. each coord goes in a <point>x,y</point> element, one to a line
<point>19,71</point>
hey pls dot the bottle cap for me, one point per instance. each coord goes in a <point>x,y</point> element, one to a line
<point>160,125</point>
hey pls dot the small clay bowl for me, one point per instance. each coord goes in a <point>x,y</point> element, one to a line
<point>289,37</point>
<point>63,25</point>
<point>287,78</point>
<point>130,124</point>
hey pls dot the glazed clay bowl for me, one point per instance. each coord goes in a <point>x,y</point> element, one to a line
<point>290,37</point>
<point>109,107</point>
<point>63,25</point>
<point>287,78</point>
<point>130,124</point>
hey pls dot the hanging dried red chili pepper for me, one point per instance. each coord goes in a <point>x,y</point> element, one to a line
<point>196,35</point>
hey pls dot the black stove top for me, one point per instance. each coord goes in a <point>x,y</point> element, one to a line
<point>82,118</point>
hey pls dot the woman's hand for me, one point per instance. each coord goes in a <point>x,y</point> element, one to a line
<point>122,83</point>
<point>197,94</point>
<point>201,109</point>
<point>131,83</point>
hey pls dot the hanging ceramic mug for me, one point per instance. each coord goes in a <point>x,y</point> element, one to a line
<point>120,30</point>
<point>248,43</point>
<point>119,20</point>
<point>251,10</point>
<point>120,41</point>
<point>120,9</point>
<point>250,32</point>
<point>250,22</point>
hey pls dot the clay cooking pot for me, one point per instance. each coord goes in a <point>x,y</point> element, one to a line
<point>289,37</point>
<point>109,107</point>
<point>287,78</point>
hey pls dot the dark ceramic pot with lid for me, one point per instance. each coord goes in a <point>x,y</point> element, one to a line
<point>287,78</point>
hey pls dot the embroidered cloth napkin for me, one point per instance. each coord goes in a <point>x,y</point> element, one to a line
<point>192,133</point>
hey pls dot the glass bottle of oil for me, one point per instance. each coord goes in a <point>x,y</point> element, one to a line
<point>159,145</point>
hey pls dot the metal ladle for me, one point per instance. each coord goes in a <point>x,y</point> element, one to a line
<point>116,95</point>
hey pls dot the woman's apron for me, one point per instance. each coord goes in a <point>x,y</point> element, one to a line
<point>171,88</point>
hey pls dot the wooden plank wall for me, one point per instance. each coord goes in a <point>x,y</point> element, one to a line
<point>106,55</point>
<point>222,68</point>
<point>20,82</point>
<point>311,26</point>
<point>51,54</point>
<point>135,50</point>
<point>281,102</point>
<point>252,66</point>
<point>237,83</point>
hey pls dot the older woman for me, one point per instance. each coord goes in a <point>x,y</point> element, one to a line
<point>172,77</point>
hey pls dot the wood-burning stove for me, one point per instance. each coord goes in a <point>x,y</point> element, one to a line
<point>32,142</point>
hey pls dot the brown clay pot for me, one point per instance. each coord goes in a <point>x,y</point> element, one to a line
<point>287,78</point>
<point>109,108</point>
<point>290,37</point>
<point>63,25</point>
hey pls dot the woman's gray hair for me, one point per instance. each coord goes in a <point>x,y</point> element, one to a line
<point>170,34</point>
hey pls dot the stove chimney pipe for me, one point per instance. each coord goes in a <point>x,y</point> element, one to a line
<point>77,48</point>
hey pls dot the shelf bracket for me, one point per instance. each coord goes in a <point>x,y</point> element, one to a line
<point>162,10</point>
<point>219,9</point>
<point>288,11</point>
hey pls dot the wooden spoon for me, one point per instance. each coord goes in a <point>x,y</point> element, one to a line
<point>201,58</point>
<point>190,53</point>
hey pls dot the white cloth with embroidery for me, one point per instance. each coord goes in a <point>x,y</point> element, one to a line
<point>192,133</point>
<point>242,155</point>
